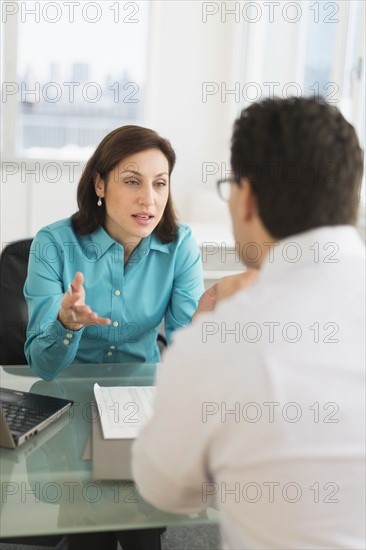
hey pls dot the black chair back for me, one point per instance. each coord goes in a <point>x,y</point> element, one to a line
<point>13,307</point>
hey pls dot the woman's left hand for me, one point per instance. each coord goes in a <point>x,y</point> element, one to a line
<point>207,301</point>
<point>227,286</point>
<point>224,288</point>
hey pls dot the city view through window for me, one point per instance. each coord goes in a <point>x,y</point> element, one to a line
<point>71,99</point>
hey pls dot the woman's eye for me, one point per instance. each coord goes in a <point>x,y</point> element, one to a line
<point>132,182</point>
<point>161,183</point>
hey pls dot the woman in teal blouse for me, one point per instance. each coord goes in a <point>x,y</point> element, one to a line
<point>101,282</point>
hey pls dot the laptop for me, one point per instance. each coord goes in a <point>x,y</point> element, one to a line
<point>23,415</point>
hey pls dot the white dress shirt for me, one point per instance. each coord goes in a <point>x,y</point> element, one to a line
<point>259,407</point>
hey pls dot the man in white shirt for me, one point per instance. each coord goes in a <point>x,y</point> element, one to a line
<point>259,408</point>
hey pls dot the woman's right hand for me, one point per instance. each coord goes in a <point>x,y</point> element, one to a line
<point>74,313</point>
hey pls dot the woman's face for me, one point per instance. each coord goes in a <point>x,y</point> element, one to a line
<point>136,196</point>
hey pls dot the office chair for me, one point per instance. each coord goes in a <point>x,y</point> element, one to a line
<point>13,307</point>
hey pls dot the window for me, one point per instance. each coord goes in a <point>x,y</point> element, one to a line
<point>80,72</point>
<point>309,49</point>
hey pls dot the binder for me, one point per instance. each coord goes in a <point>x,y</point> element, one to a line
<point>111,458</point>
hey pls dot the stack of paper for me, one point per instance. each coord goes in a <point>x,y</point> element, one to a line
<point>123,410</point>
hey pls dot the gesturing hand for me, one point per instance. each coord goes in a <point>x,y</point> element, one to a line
<point>233,283</point>
<point>224,288</point>
<point>74,313</point>
<point>207,301</point>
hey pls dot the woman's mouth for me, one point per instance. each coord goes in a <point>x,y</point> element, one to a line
<point>143,218</point>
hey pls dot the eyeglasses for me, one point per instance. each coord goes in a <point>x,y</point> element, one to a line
<point>224,188</point>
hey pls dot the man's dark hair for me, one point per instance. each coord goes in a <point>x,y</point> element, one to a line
<point>117,145</point>
<point>303,161</point>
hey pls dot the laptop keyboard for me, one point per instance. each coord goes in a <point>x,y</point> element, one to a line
<point>22,419</point>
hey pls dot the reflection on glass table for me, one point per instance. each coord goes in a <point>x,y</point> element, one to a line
<point>47,486</point>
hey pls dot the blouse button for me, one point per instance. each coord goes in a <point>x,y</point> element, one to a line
<point>110,353</point>
<point>115,323</point>
<point>66,342</point>
<point>112,347</point>
<point>117,292</point>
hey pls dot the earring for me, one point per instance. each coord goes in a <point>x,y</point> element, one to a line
<point>99,203</point>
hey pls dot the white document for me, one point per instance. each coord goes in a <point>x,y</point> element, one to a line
<point>123,410</point>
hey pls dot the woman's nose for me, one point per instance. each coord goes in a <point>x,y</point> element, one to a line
<point>147,195</point>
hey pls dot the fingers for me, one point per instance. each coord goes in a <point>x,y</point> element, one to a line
<point>74,313</point>
<point>207,301</point>
<point>75,293</point>
<point>77,284</point>
<point>74,318</point>
<point>85,316</point>
<point>69,300</point>
<point>228,286</point>
<point>212,291</point>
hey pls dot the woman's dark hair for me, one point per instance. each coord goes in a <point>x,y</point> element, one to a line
<point>116,146</point>
<point>303,161</point>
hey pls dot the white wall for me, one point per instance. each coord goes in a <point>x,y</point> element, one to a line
<point>31,200</point>
<point>185,53</point>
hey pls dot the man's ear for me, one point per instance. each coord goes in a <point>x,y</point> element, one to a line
<point>248,201</point>
<point>99,185</point>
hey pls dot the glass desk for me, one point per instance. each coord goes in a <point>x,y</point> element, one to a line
<point>46,485</point>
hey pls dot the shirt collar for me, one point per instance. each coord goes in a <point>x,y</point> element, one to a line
<point>103,242</point>
<point>156,244</point>
<point>330,244</point>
